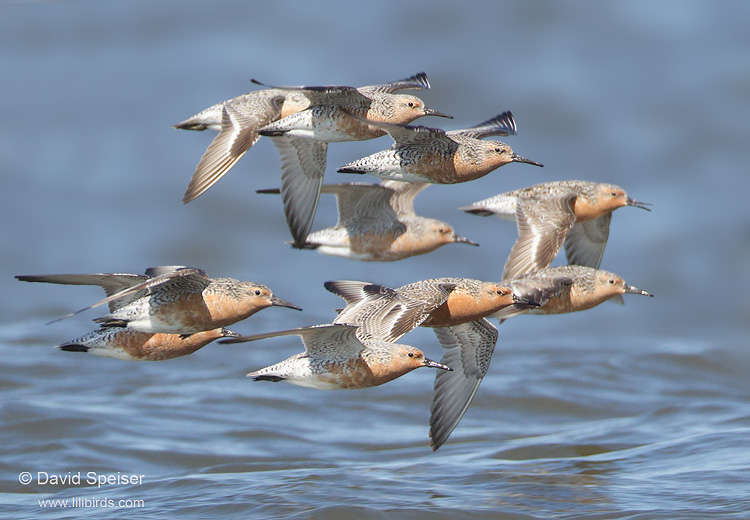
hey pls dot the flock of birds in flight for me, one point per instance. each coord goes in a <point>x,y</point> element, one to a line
<point>173,311</point>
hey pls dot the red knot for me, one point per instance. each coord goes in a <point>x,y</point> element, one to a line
<point>567,288</point>
<point>132,345</point>
<point>456,309</point>
<point>336,358</point>
<point>336,113</point>
<point>421,154</point>
<point>171,300</point>
<point>574,213</point>
<point>379,224</point>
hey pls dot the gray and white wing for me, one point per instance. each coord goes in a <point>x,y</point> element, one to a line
<point>388,314</point>
<point>404,193</point>
<point>332,339</point>
<point>303,163</point>
<point>467,349</point>
<point>365,208</point>
<point>415,304</point>
<point>238,133</point>
<point>188,279</point>
<point>416,82</point>
<point>585,242</point>
<point>501,124</point>
<point>371,311</point>
<point>112,283</point>
<point>351,291</point>
<point>542,227</point>
<point>337,95</point>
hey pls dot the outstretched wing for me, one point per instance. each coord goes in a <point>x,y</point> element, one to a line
<point>542,227</point>
<point>585,242</point>
<point>303,163</point>
<point>112,283</point>
<point>326,95</point>
<point>467,350</point>
<point>416,82</point>
<point>501,124</point>
<point>404,193</point>
<point>238,133</point>
<point>189,279</point>
<point>365,208</point>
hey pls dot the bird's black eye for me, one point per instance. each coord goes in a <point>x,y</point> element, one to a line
<point>611,281</point>
<point>257,292</point>
<point>614,194</point>
<point>411,354</point>
<point>411,104</point>
<point>500,292</point>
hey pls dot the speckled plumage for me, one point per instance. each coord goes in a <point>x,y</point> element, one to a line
<point>336,113</point>
<point>336,358</point>
<point>237,121</point>
<point>422,154</point>
<point>456,309</point>
<point>172,300</point>
<point>377,223</point>
<point>572,213</point>
<point>131,345</point>
<point>567,288</point>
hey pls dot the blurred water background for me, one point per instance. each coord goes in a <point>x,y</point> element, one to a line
<point>636,412</point>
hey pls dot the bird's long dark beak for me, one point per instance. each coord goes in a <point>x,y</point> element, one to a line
<point>434,364</point>
<point>525,301</point>
<point>632,289</point>
<point>638,204</point>
<point>464,240</point>
<point>278,302</point>
<point>432,112</point>
<point>517,158</point>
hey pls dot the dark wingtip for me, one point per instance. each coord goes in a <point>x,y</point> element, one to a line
<point>303,246</point>
<point>506,119</point>
<point>185,125</point>
<point>273,379</point>
<point>435,444</point>
<point>272,133</point>
<point>73,347</point>
<point>344,169</point>
<point>476,211</point>
<point>106,322</point>
<point>421,78</point>
<point>504,122</point>
<point>272,191</point>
